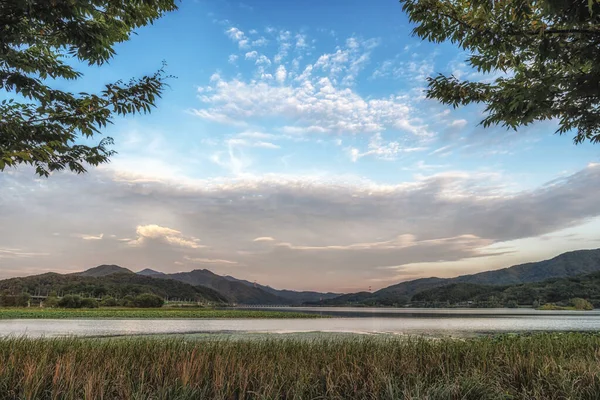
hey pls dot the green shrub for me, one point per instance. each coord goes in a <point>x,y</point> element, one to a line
<point>581,304</point>
<point>127,301</point>
<point>51,301</point>
<point>70,301</point>
<point>89,303</point>
<point>108,301</point>
<point>512,304</point>
<point>148,300</point>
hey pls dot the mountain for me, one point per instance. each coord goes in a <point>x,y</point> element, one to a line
<point>149,272</point>
<point>292,296</point>
<point>232,289</point>
<point>554,290</point>
<point>235,291</point>
<point>104,270</point>
<point>117,285</point>
<point>573,263</point>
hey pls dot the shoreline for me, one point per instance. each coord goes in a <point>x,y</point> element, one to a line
<point>147,313</point>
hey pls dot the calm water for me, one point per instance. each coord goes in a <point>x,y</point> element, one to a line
<point>466,322</point>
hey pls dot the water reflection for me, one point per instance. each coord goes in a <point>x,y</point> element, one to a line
<point>396,321</point>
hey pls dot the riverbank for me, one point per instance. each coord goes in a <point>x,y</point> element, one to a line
<point>145,313</point>
<point>548,366</point>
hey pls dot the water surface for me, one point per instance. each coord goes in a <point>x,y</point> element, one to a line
<point>437,322</point>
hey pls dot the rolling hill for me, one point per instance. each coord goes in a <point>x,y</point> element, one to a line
<point>201,284</point>
<point>291,296</point>
<point>553,290</point>
<point>149,272</point>
<point>236,292</point>
<point>117,285</point>
<point>104,270</point>
<point>569,264</point>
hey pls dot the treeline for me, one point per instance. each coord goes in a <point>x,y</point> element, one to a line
<point>561,292</point>
<point>143,300</point>
<point>117,286</point>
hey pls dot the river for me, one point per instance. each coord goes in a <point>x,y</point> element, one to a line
<point>436,322</point>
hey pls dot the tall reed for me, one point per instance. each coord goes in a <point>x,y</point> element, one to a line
<point>544,366</point>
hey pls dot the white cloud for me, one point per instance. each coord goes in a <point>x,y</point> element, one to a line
<point>233,160</point>
<point>92,237</point>
<point>248,143</point>
<point>301,130</point>
<point>314,101</point>
<point>260,42</point>
<point>19,253</point>
<point>283,39</point>
<point>458,123</point>
<point>209,261</point>
<point>264,239</point>
<point>232,58</point>
<point>256,135</point>
<point>317,99</point>
<point>263,60</point>
<point>379,148</point>
<point>413,71</point>
<point>344,225</point>
<point>149,233</point>
<point>346,63</point>
<point>260,59</point>
<point>281,74</point>
<point>301,41</point>
<point>238,36</point>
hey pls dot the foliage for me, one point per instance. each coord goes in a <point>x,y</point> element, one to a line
<point>581,304</point>
<point>14,300</point>
<point>579,292</point>
<point>458,292</point>
<point>572,263</point>
<point>45,126</point>
<point>546,366</point>
<point>70,301</point>
<point>546,53</point>
<point>148,300</point>
<point>117,286</point>
<point>74,301</point>
<point>235,291</point>
<point>51,301</point>
<point>86,302</point>
<point>108,301</point>
<point>139,313</point>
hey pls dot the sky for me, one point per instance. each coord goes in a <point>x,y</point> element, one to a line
<point>295,148</point>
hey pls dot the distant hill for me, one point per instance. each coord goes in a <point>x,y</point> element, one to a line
<point>554,290</point>
<point>116,285</point>
<point>104,270</point>
<point>224,289</point>
<point>235,291</point>
<point>573,263</point>
<point>360,298</point>
<point>291,296</point>
<point>149,272</point>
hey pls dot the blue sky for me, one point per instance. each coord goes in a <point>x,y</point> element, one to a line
<point>295,147</point>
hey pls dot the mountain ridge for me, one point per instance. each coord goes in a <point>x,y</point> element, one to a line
<point>571,263</point>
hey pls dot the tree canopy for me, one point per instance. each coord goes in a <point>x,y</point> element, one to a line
<point>546,52</point>
<point>43,126</point>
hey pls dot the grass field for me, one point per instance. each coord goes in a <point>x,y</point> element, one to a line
<point>544,366</point>
<point>62,313</point>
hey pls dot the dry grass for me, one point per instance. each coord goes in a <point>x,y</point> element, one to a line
<point>546,366</point>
